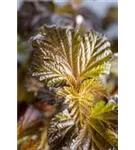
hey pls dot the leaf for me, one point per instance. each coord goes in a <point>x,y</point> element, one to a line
<point>64,135</point>
<point>103,121</point>
<point>81,100</point>
<point>94,87</point>
<point>78,140</point>
<point>30,122</point>
<point>65,56</point>
<point>86,145</point>
<point>60,126</point>
<point>97,133</point>
<point>31,117</point>
<point>105,112</point>
<point>103,137</point>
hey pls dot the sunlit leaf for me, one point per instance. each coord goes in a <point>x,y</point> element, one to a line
<point>103,122</point>
<point>64,56</point>
<point>78,140</point>
<point>99,130</point>
<point>81,100</point>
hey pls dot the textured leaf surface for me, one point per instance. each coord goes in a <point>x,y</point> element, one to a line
<point>63,55</point>
<point>103,125</point>
<point>99,131</point>
<point>78,140</point>
<point>66,57</point>
<point>60,127</point>
<point>82,99</point>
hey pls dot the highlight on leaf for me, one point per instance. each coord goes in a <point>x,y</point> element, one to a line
<point>60,126</point>
<point>68,100</point>
<point>81,100</point>
<point>65,56</point>
<point>103,123</point>
<point>74,62</point>
<point>98,132</point>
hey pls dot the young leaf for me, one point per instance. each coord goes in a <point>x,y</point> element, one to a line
<point>82,99</point>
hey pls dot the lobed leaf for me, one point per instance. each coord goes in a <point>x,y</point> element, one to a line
<point>65,56</point>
